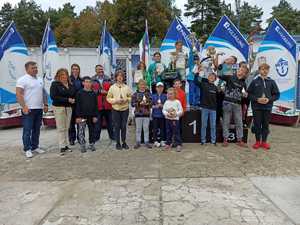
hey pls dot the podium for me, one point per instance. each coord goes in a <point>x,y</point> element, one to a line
<point>191,129</point>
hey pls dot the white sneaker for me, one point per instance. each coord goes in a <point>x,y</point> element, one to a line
<point>38,150</point>
<point>28,154</point>
<point>157,144</point>
<point>162,143</point>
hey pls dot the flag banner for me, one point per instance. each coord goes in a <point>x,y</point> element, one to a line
<point>13,56</point>
<point>227,39</point>
<point>50,61</point>
<point>176,32</point>
<point>279,50</point>
<point>298,84</point>
<point>144,48</point>
<point>108,52</point>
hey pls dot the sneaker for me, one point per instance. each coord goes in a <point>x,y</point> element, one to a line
<point>72,142</point>
<point>125,146</point>
<point>68,149</point>
<point>148,145</point>
<point>214,143</point>
<point>242,144</point>
<point>28,154</point>
<point>92,148</point>
<point>225,143</point>
<point>118,146</point>
<point>168,147</point>
<point>202,143</point>
<point>178,148</point>
<point>265,146</point>
<point>62,151</point>
<point>39,151</point>
<point>82,149</point>
<point>137,146</point>
<point>162,143</point>
<point>257,145</point>
<point>156,144</point>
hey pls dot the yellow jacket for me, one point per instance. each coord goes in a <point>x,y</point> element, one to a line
<point>117,92</point>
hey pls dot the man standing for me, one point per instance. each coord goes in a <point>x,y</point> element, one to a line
<point>33,99</point>
<point>101,85</point>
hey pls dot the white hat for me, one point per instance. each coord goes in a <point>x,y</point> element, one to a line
<point>160,84</point>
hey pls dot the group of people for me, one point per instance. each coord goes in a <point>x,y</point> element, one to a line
<point>159,101</point>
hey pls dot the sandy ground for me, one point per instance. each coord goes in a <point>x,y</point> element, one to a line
<point>201,185</point>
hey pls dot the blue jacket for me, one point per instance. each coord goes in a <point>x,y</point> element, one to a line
<point>258,87</point>
<point>157,112</point>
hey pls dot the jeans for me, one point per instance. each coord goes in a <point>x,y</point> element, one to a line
<point>81,131</point>
<point>159,126</point>
<point>173,131</point>
<point>62,119</point>
<point>104,114</point>
<point>261,119</point>
<point>142,124</point>
<point>31,129</point>
<point>212,114</point>
<point>73,129</point>
<point>119,119</point>
<point>194,93</point>
<point>235,109</point>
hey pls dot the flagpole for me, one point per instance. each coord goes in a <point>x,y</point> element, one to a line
<point>7,29</point>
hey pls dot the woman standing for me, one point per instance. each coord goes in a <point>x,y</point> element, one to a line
<point>76,81</point>
<point>62,94</point>
<point>119,95</point>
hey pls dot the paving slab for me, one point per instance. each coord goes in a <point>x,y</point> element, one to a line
<point>282,191</point>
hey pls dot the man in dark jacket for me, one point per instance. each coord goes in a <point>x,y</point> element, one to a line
<point>76,81</point>
<point>262,92</point>
<point>101,85</point>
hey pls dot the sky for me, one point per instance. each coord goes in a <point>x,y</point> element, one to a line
<point>80,4</point>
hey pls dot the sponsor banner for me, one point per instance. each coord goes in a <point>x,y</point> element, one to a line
<point>278,49</point>
<point>13,56</point>
<point>227,39</point>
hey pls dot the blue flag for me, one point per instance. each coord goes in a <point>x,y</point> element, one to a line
<point>108,51</point>
<point>13,55</point>
<point>279,50</point>
<point>227,38</point>
<point>50,63</point>
<point>48,41</point>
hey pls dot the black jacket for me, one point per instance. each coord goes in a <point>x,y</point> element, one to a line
<point>60,94</point>
<point>86,104</point>
<point>233,88</point>
<point>209,93</point>
<point>258,87</point>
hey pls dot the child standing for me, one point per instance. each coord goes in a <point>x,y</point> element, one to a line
<point>172,110</point>
<point>142,103</point>
<point>209,105</point>
<point>86,113</point>
<point>262,92</point>
<point>158,118</point>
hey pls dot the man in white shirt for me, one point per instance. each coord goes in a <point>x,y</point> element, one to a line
<point>33,99</point>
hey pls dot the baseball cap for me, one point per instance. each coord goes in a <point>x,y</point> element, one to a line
<point>160,84</point>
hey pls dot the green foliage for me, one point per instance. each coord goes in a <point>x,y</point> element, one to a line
<point>287,16</point>
<point>125,20</point>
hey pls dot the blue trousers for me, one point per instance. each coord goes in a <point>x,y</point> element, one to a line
<point>173,130</point>
<point>194,93</point>
<point>31,129</point>
<point>212,114</point>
